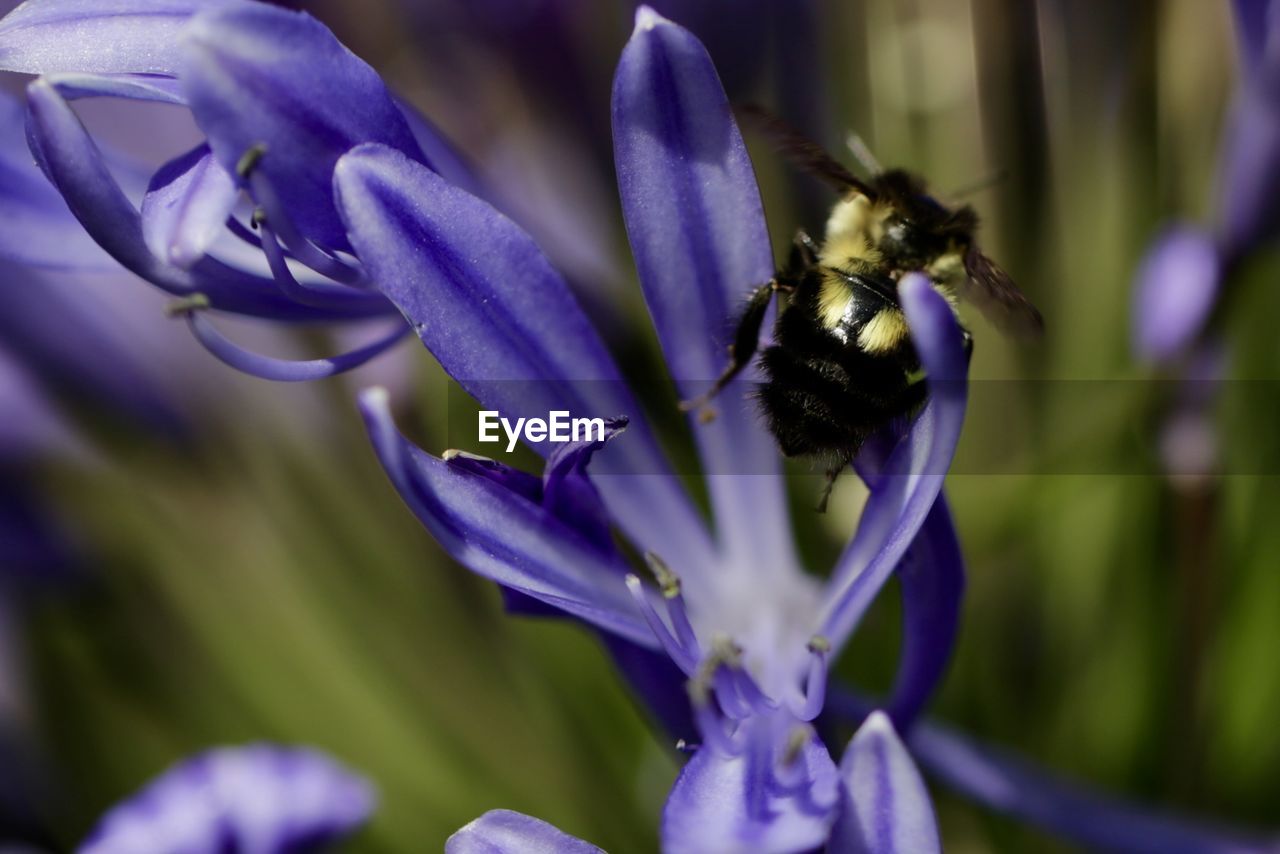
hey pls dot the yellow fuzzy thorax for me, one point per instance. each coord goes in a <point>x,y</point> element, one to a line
<point>854,230</point>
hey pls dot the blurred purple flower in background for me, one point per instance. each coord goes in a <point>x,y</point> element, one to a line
<point>260,799</point>
<point>1187,268</point>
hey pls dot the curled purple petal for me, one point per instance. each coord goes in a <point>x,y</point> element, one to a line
<point>503,536</point>
<point>1177,288</point>
<point>507,832</point>
<point>187,205</point>
<point>697,230</point>
<point>886,807</point>
<point>97,36</point>
<point>257,74</point>
<point>487,304</point>
<point>932,581</point>
<point>912,478</point>
<point>775,796</point>
<point>260,798</point>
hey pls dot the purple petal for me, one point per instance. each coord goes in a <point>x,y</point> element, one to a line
<point>1002,782</point>
<point>74,164</point>
<point>261,798</point>
<point>568,492</point>
<point>697,231</point>
<point>187,206</point>
<point>97,36</point>
<point>912,479</point>
<point>1177,288</point>
<point>1249,169</point>
<point>932,581</point>
<point>1251,18</point>
<point>760,801</point>
<point>503,536</point>
<point>657,684</point>
<point>886,808</point>
<point>259,74</point>
<point>133,87</point>
<point>507,832</point>
<point>38,228</point>
<point>502,322</point>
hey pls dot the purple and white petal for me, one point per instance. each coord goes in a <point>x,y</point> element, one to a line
<point>697,230</point>
<point>1177,287</point>
<point>886,807</point>
<point>97,36</point>
<point>503,536</point>
<point>133,87</point>
<point>257,74</point>
<point>261,799</point>
<point>508,832</point>
<point>771,798</point>
<point>187,206</point>
<point>488,305</point>
<point>911,480</point>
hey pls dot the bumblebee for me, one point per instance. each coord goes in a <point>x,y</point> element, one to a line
<point>842,364</point>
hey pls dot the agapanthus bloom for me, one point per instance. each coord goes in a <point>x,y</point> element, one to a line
<point>735,632</point>
<point>260,799</point>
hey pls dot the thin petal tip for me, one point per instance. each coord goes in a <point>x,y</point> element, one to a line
<point>647,19</point>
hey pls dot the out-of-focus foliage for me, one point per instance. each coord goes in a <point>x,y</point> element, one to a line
<point>260,580</point>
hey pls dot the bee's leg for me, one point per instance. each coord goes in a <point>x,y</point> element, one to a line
<point>746,340</point>
<point>825,495</point>
<point>804,254</point>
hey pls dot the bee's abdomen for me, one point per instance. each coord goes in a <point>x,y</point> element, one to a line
<point>817,405</point>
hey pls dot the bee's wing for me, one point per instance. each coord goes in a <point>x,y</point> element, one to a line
<point>992,290</point>
<point>799,149</point>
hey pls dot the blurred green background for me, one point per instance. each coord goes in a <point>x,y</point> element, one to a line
<point>264,581</point>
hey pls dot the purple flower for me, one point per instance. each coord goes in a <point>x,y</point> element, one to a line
<point>1182,279</point>
<point>260,799</point>
<point>745,628</point>
<point>279,100</point>
<point>748,629</point>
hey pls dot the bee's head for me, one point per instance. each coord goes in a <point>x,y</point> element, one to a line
<point>914,227</point>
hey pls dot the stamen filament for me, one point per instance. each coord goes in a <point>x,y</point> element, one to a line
<point>279,370</point>
<point>684,658</point>
<point>304,250</point>
<point>313,295</point>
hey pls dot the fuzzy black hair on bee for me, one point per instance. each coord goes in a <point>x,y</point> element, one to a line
<point>842,364</point>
